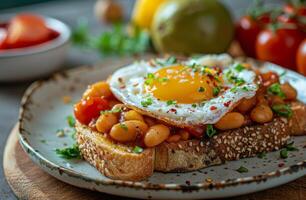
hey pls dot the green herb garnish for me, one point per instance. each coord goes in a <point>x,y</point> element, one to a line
<point>275,89</point>
<point>282,110</point>
<point>201,89</point>
<point>261,155</point>
<point>216,91</point>
<point>150,78</point>
<point>43,141</point>
<point>242,169</point>
<point>147,102</point>
<point>71,121</point>
<point>69,152</point>
<point>123,126</point>
<point>283,73</point>
<point>171,60</point>
<point>239,67</point>
<point>137,149</point>
<point>290,147</point>
<point>210,131</point>
<point>163,79</point>
<point>116,110</point>
<point>283,153</point>
<point>194,105</point>
<point>171,102</point>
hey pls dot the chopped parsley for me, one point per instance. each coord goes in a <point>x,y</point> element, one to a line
<point>234,79</point>
<point>289,147</point>
<point>239,67</point>
<point>43,141</point>
<point>116,110</point>
<point>123,126</point>
<point>171,102</point>
<point>216,91</point>
<point>282,110</point>
<point>245,88</point>
<point>194,105</point>
<point>275,89</point>
<point>150,78</point>
<point>283,73</point>
<point>137,149</point>
<point>242,169</point>
<point>201,89</point>
<point>163,79</point>
<point>147,102</point>
<point>283,153</point>
<point>69,152</point>
<point>261,155</point>
<point>71,121</point>
<point>210,131</point>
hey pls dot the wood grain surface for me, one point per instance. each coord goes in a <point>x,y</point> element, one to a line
<point>28,181</point>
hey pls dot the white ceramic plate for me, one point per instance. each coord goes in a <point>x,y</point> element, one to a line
<point>43,112</point>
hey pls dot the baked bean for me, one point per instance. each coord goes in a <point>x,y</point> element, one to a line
<point>105,122</point>
<point>269,78</point>
<point>289,91</point>
<point>184,134</point>
<point>132,115</point>
<point>261,113</point>
<point>174,138</point>
<point>156,135</point>
<point>127,131</point>
<point>150,121</point>
<point>99,89</point>
<point>246,104</point>
<point>276,100</point>
<point>230,121</point>
<point>261,99</point>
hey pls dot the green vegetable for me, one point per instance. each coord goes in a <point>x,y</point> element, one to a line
<point>210,131</point>
<point>171,60</point>
<point>262,155</point>
<point>69,152</point>
<point>275,89</point>
<point>201,89</point>
<point>242,169</point>
<point>290,147</point>
<point>283,153</point>
<point>194,105</point>
<point>137,149</point>
<point>147,102</point>
<point>171,102</point>
<point>239,67</point>
<point>124,127</point>
<point>216,91</point>
<point>117,41</point>
<point>71,121</point>
<point>282,110</point>
<point>116,110</point>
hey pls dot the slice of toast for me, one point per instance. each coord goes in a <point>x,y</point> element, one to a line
<point>117,161</point>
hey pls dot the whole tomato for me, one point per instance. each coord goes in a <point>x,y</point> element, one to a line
<point>279,46</point>
<point>247,30</point>
<point>301,58</point>
<point>89,109</point>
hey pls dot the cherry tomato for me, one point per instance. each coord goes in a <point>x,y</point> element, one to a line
<point>301,58</point>
<point>25,30</point>
<point>247,30</point>
<point>89,109</point>
<point>3,34</point>
<point>279,46</point>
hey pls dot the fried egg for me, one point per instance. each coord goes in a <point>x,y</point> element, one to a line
<point>186,93</point>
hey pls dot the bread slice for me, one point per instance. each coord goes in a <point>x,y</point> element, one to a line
<point>117,161</point>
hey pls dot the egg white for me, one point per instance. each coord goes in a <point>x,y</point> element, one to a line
<point>127,84</point>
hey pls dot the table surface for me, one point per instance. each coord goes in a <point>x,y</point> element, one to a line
<point>68,11</point>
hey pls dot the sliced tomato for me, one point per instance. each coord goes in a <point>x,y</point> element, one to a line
<point>301,58</point>
<point>26,30</point>
<point>247,30</point>
<point>88,109</point>
<point>279,46</point>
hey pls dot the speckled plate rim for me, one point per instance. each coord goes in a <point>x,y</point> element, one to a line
<point>26,99</point>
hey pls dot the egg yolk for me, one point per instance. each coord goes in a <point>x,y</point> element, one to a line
<point>182,84</point>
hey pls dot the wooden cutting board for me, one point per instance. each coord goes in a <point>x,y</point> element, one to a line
<point>28,181</point>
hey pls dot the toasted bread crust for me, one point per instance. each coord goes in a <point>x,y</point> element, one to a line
<point>117,162</point>
<point>113,160</point>
<point>229,145</point>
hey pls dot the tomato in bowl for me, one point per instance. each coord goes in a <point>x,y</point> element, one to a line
<point>31,46</point>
